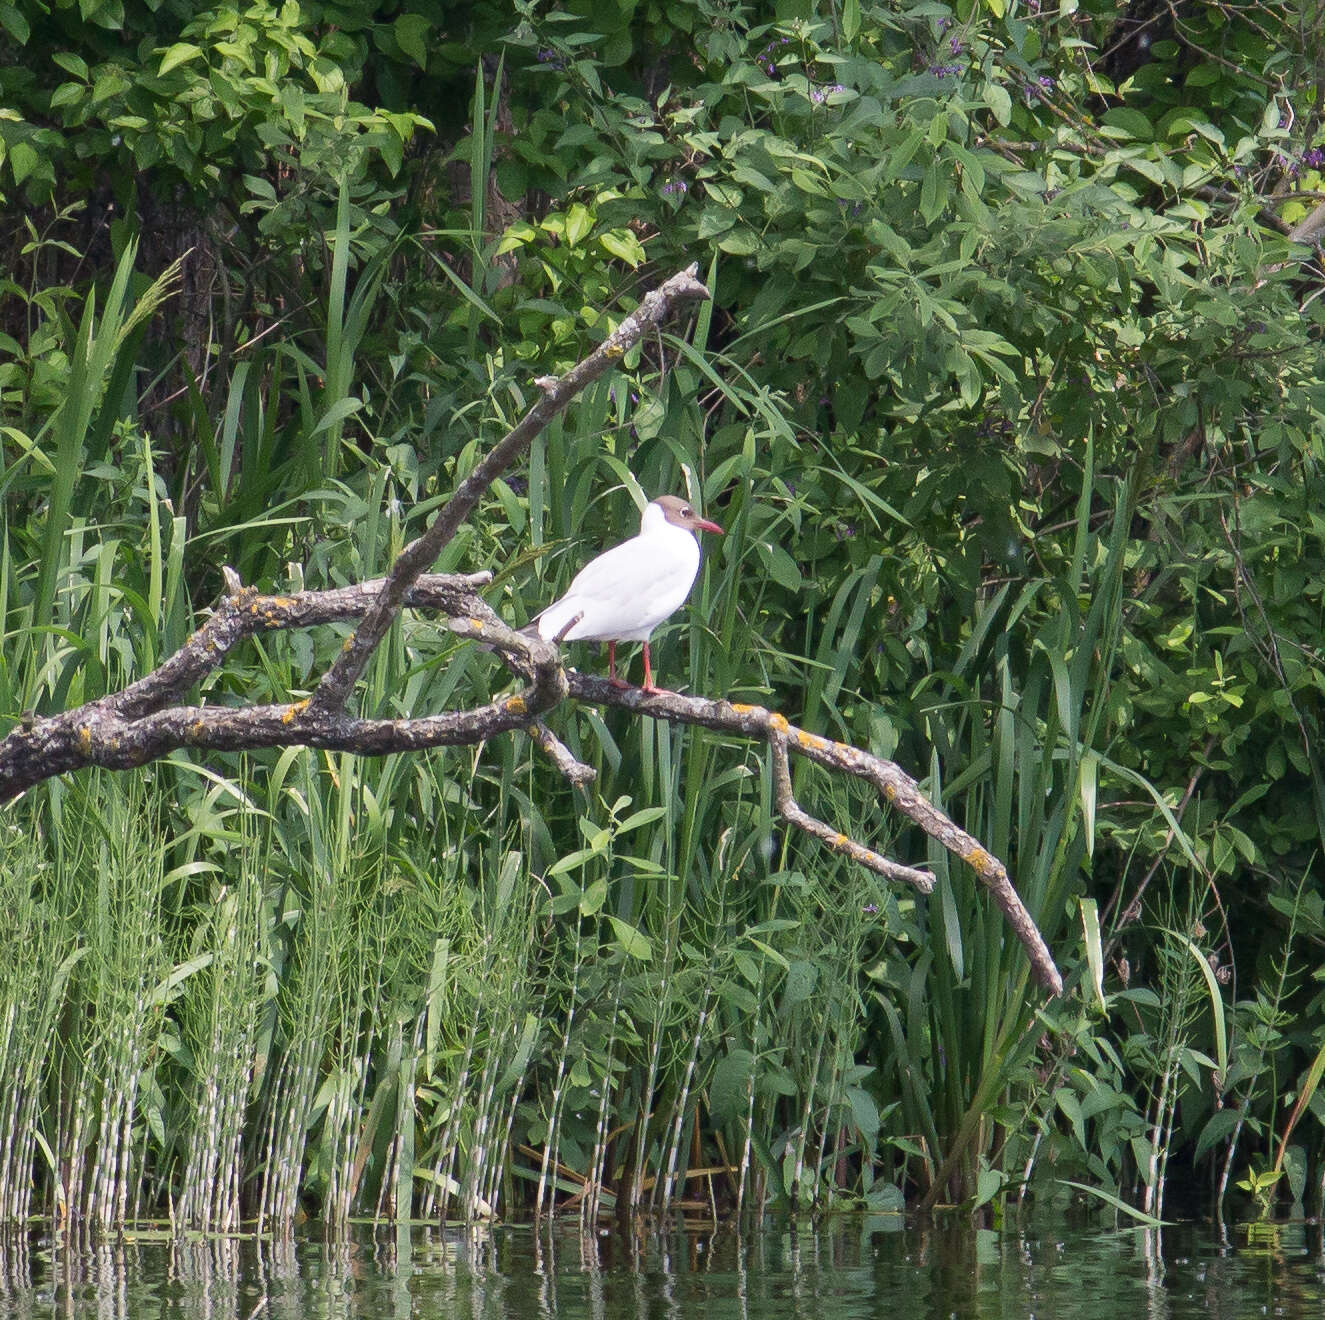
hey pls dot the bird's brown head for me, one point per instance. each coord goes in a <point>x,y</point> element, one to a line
<point>678,511</point>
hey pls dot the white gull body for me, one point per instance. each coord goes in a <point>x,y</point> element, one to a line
<point>627,591</point>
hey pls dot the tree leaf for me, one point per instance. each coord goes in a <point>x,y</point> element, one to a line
<point>411,33</point>
<point>850,19</point>
<point>632,942</point>
<point>180,53</point>
<point>729,1090</point>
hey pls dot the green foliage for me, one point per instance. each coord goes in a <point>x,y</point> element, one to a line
<point>1009,401</point>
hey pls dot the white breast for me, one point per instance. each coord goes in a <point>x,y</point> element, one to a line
<point>626,592</point>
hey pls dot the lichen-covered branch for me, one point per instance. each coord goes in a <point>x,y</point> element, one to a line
<point>144,722</point>
<point>792,812</point>
<point>896,788</point>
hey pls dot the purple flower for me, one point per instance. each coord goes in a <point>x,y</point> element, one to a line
<point>944,24</point>
<point>956,45</point>
<point>870,909</point>
<point>1314,158</point>
<point>945,70</point>
<point>676,186</point>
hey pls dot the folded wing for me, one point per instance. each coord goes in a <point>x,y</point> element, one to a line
<point>626,592</point>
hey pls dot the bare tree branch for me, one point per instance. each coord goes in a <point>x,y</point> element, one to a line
<point>1310,228</point>
<point>895,787</point>
<point>560,755</point>
<point>146,721</point>
<point>140,724</point>
<point>792,811</point>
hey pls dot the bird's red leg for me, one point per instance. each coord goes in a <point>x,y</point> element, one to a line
<point>611,667</point>
<point>648,673</point>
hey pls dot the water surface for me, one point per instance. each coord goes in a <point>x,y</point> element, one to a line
<point>879,1266</point>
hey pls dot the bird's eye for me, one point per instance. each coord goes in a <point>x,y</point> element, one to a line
<point>687,512</point>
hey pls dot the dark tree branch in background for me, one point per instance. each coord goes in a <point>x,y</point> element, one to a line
<point>146,721</point>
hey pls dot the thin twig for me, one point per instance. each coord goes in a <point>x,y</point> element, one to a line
<point>560,755</point>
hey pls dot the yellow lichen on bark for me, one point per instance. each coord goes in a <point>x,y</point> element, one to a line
<point>294,711</point>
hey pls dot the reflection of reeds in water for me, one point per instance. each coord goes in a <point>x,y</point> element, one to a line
<point>15,1262</point>
<point>206,1277</point>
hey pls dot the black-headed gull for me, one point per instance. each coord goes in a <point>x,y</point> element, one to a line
<point>627,591</point>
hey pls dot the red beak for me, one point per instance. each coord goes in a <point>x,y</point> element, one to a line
<point>704,525</point>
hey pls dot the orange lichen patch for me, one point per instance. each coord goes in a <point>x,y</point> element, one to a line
<point>85,738</point>
<point>840,841</point>
<point>281,602</point>
<point>812,740</point>
<point>196,728</point>
<point>515,705</point>
<point>293,712</point>
<point>613,351</point>
<point>476,624</point>
<point>349,642</point>
<point>778,723</point>
<point>890,792</point>
<point>977,857</point>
